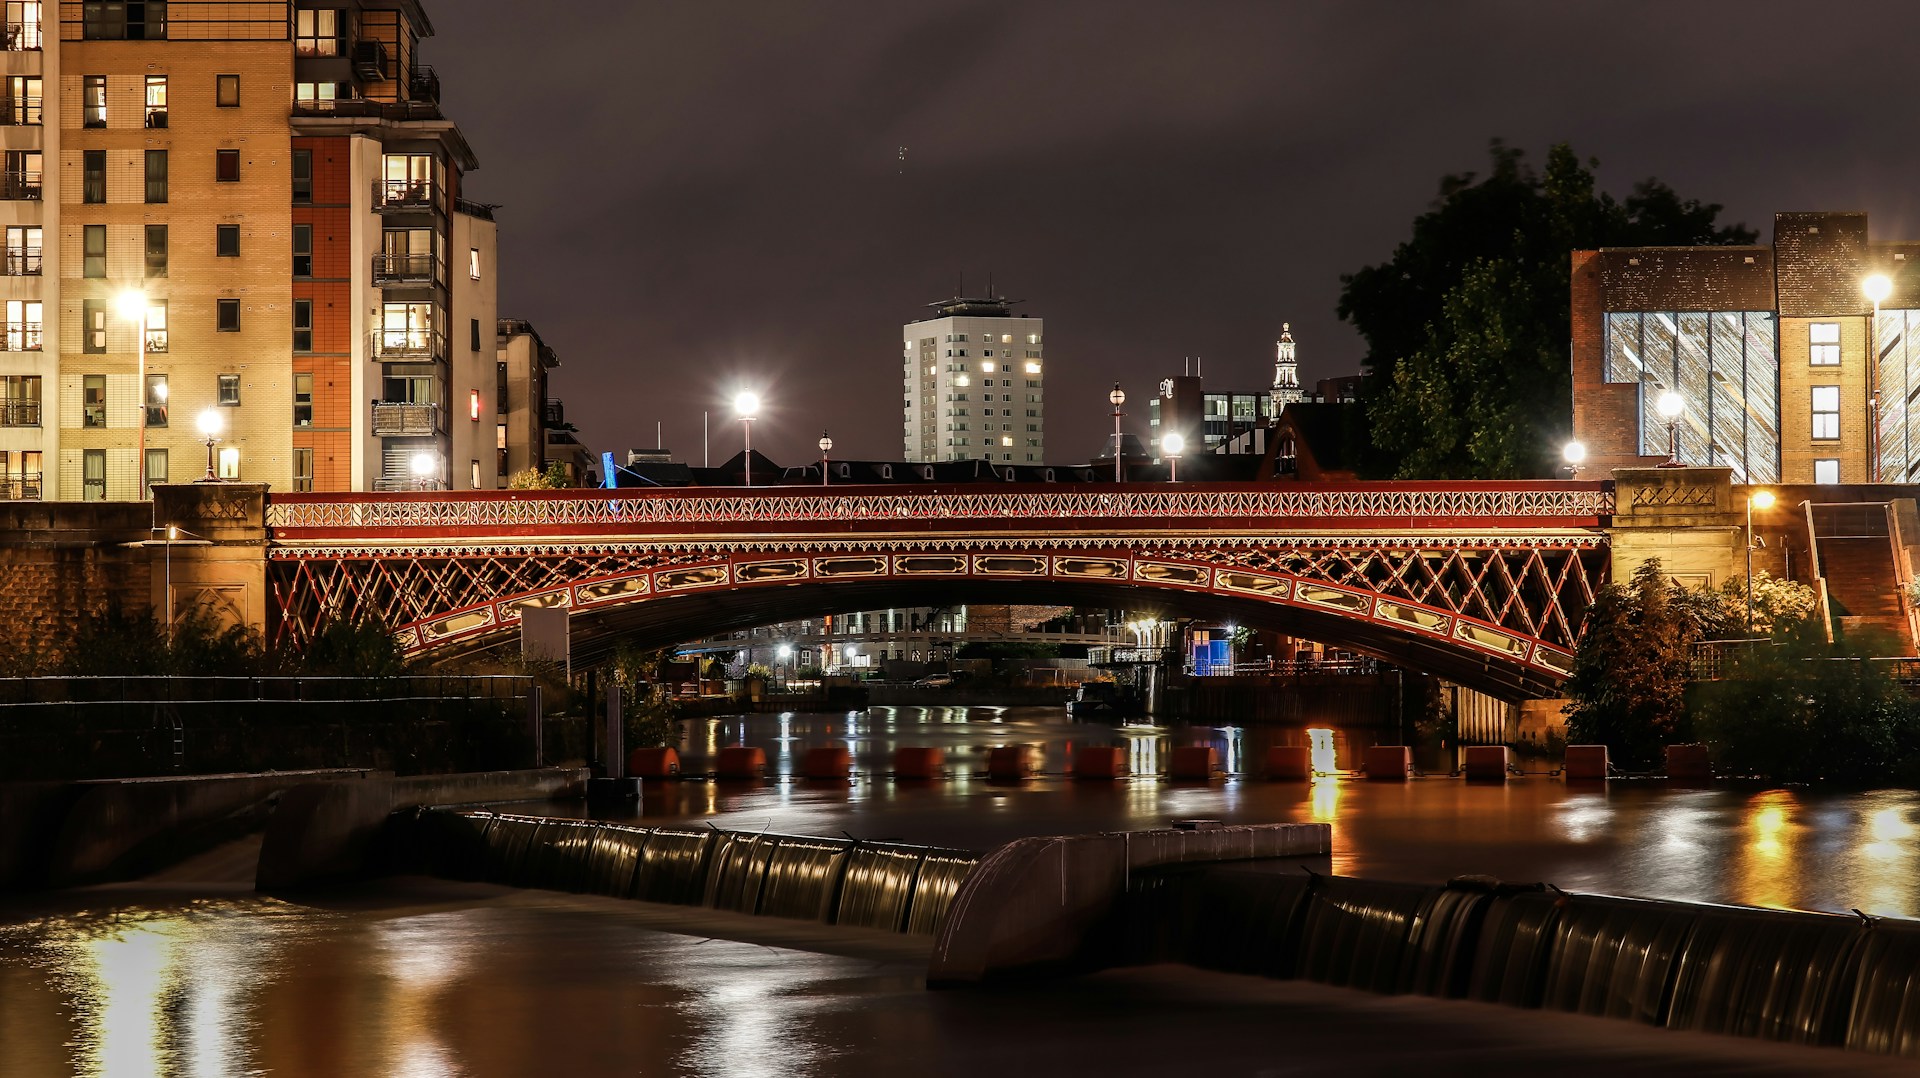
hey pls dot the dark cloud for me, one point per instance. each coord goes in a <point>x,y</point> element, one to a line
<point>704,194</point>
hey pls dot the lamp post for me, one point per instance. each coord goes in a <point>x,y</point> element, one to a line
<point>1171,445</point>
<point>132,305</point>
<point>826,443</point>
<point>1575,454</point>
<point>1118,397</point>
<point>1756,499</point>
<point>1670,405</point>
<point>209,424</point>
<point>425,464</point>
<point>747,406</point>
<point>1877,288</point>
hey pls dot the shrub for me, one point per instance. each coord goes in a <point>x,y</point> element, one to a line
<point>1631,668</point>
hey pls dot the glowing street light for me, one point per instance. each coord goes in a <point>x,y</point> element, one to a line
<point>425,469</point>
<point>132,306</point>
<point>1118,397</point>
<point>1171,445</point>
<point>1670,405</point>
<point>1762,500</point>
<point>1575,454</point>
<point>826,443</point>
<point>209,423</point>
<point>1877,288</point>
<point>747,407</point>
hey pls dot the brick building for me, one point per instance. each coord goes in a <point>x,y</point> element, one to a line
<point>1767,347</point>
<point>250,211</point>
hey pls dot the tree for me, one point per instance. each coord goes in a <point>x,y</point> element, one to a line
<point>554,477</point>
<point>652,712</point>
<point>1467,325</point>
<point>1631,668</point>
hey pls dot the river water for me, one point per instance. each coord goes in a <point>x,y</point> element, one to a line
<point>194,974</point>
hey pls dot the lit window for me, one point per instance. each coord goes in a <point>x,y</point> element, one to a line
<point>1826,412</point>
<point>962,380</point>
<point>1824,344</point>
<point>1033,368</point>
<point>1033,338</point>
<point>473,407</point>
<point>473,262</point>
<point>230,462</point>
<point>986,368</point>
<point>226,91</point>
<point>1006,338</point>
<point>1007,441</point>
<point>1826,472</point>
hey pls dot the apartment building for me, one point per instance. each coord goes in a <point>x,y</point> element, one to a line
<point>1787,363</point>
<point>974,376</point>
<point>520,397</point>
<point>242,213</point>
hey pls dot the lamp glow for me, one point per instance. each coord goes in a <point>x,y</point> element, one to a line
<point>209,423</point>
<point>423,465</point>
<point>132,304</point>
<point>1877,288</point>
<point>746,405</point>
<point>1670,405</point>
<point>1574,453</point>
<point>1118,396</point>
<point>1172,444</point>
<point>1761,499</point>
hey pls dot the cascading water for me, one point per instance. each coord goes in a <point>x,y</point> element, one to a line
<point>1355,932</point>
<point>673,867</point>
<point>1614,957</point>
<point>878,886</point>
<point>1885,1016</point>
<point>1766,973</point>
<point>804,877</point>
<point>934,887</point>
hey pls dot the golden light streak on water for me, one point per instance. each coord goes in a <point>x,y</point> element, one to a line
<point>1321,751</point>
<point>1763,868</point>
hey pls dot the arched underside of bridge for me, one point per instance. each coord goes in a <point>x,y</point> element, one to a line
<point>1501,619</point>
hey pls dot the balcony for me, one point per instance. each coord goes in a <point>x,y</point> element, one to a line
<point>482,210</point>
<point>401,196</point>
<point>23,262</point>
<point>23,487</point>
<point>20,185</point>
<point>409,345</point>
<point>369,110</point>
<point>553,413</point>
<point>22,37</point>
<point>20,111</point>
<point>424,85</point>
<point>395,269</point>
<point>21,337</point>
<point>370,60</point>
<point>392,419</point>
<point>19,413</point>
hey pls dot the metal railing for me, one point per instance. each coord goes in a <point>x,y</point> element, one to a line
<point>23,262</point>
<point>404,195</point>
<point>418,345</point>
<point>370,59</point>
<point>408,267</point>
<point>19,413</point>
<point>424,84</point>
<point>19,186</point>
<point>1285,668</point>
<point>20,487</point>
<point>21,37</point>
<point>482,210</point>
<point>361,108</point>
<point>160,689</point>
<point>391,419</point>
<point>21,337</point>
<point>20,111</point>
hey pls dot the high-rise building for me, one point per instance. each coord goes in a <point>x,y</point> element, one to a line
<point>253,213</point>
<point>974,377</point>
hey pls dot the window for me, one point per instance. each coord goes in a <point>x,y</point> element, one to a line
<point>303,400</point>
<point>473,479</point>
<point>317,32</point>
<point>500,389</point>
<point>156,101</point>
<point>229,395</point>
<point>1823,348</point>
<point>230,462</point>
<point>156,402</point>
<point>23,25</point>
<point>93,400</point>
<point>475,327</point>
<point>93,474</point>
<point>226,241</point>
<point>93,326</point>
<point>156,176</point>
<point>93,101</point>
<point>23,325</point>
<point>409,177</point>
<point>123,20</point>
<point>95,249</point>
<point>303,250</point>
<point>315,96</point>
<point>156,250</point>
<point>156,326</point>
<point>226,166</point>
<point>1826,412</point>
<point>94,170</point>
<point>20,400</point>
<point>473,262</point>
<point>23,100</point>
<point>302,471</point>
<point>229,315</point>
<point>407,329</point>
<point>303,325</point>
<point>500,450</point>
<point>1826,472</point>
<point>23,250</point>
<point>303,175</point>
<point>226,91</point>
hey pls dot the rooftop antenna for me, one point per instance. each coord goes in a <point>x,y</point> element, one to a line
<point>659,440</point>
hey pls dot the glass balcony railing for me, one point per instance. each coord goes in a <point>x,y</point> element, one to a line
<point>402,267</point>
<point>398,195</point>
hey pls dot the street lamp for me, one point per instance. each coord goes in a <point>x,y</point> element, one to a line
<point>132,305</point>
<point>826,443</point>
<point>1756,499</point>
<point>209,424</point>
<point>1171,445</point>
<point>1575,454</point>
<point>1118,397</point>
<point>425,464</point>
<point>1877,288</point>
<point>747,406</point>
<point>1670,405</point>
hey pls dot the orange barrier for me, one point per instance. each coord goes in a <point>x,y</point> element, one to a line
<point>1484,763</point>
<point>660,763</point>
<point>1389,763</point>
<point>1585,762</point>
<point>1100,762</point>
<point>741,762</point>
<point>1289,763</point>
<point>827,762</point>
<point>1689,762</point>
<point>1012,762</point>
<point>1192,763</point>
<point>922,763</point>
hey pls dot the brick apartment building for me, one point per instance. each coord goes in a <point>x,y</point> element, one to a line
<point>1769,349</point>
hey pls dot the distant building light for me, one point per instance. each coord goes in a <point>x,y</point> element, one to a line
<point>1033,368</point>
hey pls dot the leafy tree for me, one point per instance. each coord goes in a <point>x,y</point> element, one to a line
<point>652,712</point>
<point>1780,607</point>
<point>355,647</point>
<point>1631,669</point>
<point>553,478</point>
<point>1468,370</point>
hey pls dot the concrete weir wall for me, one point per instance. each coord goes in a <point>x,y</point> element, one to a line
<point>1039,905</point>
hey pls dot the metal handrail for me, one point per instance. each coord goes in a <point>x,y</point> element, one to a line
<point>409,344</point>
<point>21,487</point>
<point>404,194</point>
<point>19,413</point>
<point>23,262</point>
<point>21,337</point>
<point>20,186</point>
<point>387,267</point>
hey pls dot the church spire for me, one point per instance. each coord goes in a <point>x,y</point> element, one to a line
<point>1286,370</point>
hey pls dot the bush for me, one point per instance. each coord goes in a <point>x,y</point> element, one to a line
<point>1633,662</point>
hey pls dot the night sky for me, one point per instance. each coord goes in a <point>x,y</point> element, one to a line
<point>707,195</point>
